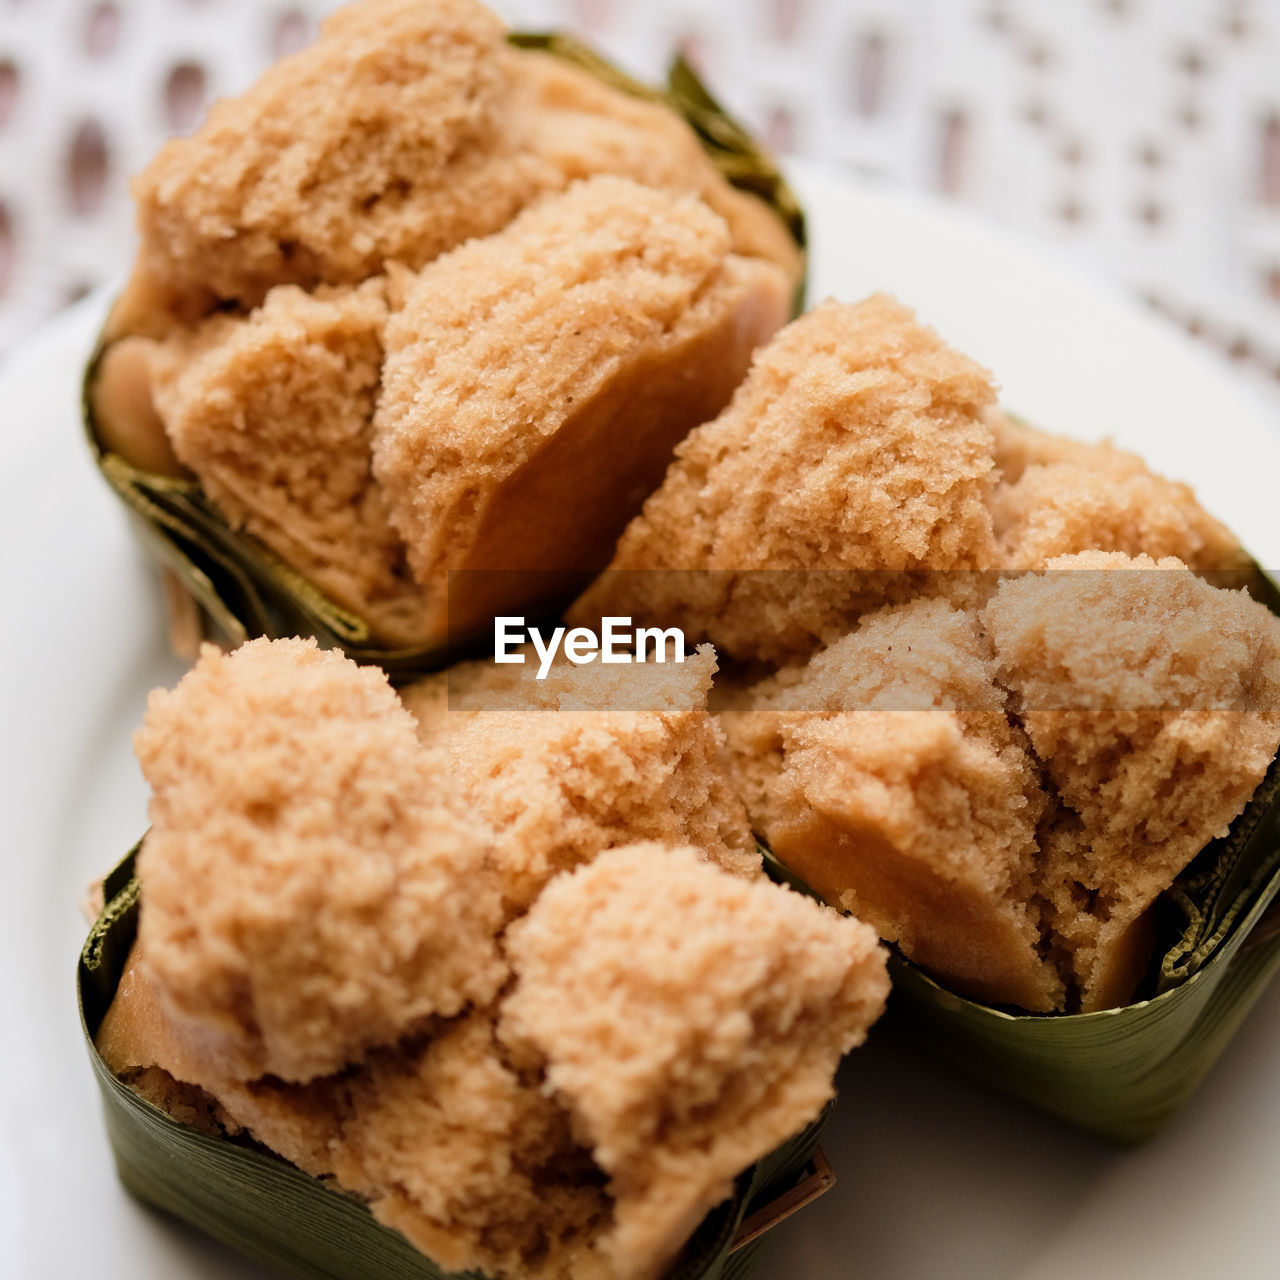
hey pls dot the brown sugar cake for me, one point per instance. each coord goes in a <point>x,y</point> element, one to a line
<point>251,403</point>
<point>1060,496</point>
<point>565,1096</point>
<point>690,1021</point>
<point>668,1026</point>
<point>473,1161</point>
<point>407,128</point>
<point>446,1143</point>
<point>506,409</point>
<point>886,774</point>
<point>560,774</point>
<point>374,143</point>
<point>148,1048</point>
<point>136,1034</point>
<point>1153,700</point>
<point>289,787</point>
<point>536,382</point>
<point>1004,793</point>
<point>858,442</point>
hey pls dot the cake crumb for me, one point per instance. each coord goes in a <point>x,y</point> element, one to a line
<point>405,129</point>
<point>1153,699</point>
<point>584,127</point>
<point>886,774</point>
<point>300,847</point>
<point>1059,497</point>
<point>476,1165</point>
<point>378,141</point>
<point>855,455</point>
<point>690,1021</point>
<point>599,326</point>
<point>561,775</point>
<point>251,403</point>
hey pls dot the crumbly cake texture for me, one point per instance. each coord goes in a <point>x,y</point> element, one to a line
<point>468,1158</point>
<point>1005,793</point>
<point>383,139</point>
<point>858,442</point>
<point>886,774</point>
<point>617,318</point>
<point>583,127</point>
<point>1153,699</point>
<point>187,1104</point>
<point>689,1020</point>
<point>581,1127</point>
<point>602,324</point>
<point>136,1036</point>
<point>309,893</point>
<point>473,1162</point>
<point>561,776</point>
<point>157,1055</point>
<point>859,454</point>
<point>1059,497</point>
<point>250,403</point>
<point>407,128</point>
<point>325,962</point>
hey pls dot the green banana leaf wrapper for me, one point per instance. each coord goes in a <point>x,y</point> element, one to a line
<point>1123,1073</point>
<point>272,1212</point>
<point>244,588</point>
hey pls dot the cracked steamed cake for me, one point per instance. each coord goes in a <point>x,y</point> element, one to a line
<point>405,129</point>
<point>1153,700</point>
<point>582,127</point>
<point>147,1047</point>
<point>376,142</point>
<point>408,129</point>
<point>472,1161</point>
<point>537,381</point>
<point>560,774</point>
<point>249,403</point>
<point>717,1007</point>
<point>288,786</point>
<point>446,1143</point>
<point>886,774</point>
<point>1005,793</point>
<point>454,410</point>
<point>690,1022</point>
<point>471,1129</point>
<point>858,442</point>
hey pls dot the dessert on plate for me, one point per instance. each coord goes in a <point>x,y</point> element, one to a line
<point>431,327</point>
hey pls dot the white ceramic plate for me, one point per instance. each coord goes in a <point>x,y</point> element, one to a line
<point>938,1179</point>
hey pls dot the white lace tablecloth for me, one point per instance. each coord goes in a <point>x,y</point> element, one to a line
<point>1140,136</point>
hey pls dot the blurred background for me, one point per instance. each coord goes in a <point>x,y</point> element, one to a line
<point>1141,137</point>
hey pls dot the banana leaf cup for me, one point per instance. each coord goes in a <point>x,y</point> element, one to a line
<point>1123,1073</point>
<point>272,1212</point>
<point>241,588</point>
